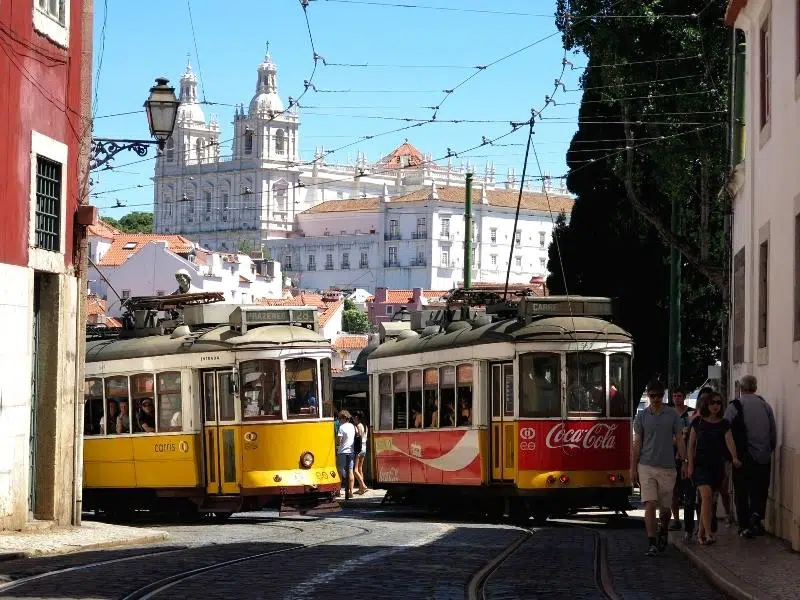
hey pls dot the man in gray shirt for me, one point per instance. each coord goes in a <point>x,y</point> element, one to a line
<point>655,430</point>
<point>751,480</point>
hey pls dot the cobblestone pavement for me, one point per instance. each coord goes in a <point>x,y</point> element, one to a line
<point>377,554</point>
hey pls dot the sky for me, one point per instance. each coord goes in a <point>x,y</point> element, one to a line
<point>413,52</point>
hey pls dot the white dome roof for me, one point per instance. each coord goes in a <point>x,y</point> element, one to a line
<point>266,98</point>
<point>189,109</point>
<point>262,103</point>
<point>191,112</point>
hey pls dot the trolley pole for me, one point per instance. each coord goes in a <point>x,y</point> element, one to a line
<point>468,233</point>
<point>674,366</point>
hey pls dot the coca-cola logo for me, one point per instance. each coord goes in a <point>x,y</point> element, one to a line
<point>600,436</point>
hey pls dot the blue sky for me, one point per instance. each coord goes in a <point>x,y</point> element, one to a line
<point>231,38</point>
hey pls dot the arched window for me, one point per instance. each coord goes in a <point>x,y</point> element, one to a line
<point>170,150</point>
<point>199,150</point>
<point>248,142</point>
<point>280,142</point>
<point>279,193</point>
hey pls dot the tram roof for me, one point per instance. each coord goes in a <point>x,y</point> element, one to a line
<point>548,329</point>
<point>213,340</point>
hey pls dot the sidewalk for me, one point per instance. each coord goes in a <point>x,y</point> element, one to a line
<point>91,535</point>
<point>371,498</point>
<point>761,568</point>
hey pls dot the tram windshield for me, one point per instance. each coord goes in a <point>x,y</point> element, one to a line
<point>260,389</point>
<point>302,400</point>
<point>586,384</point>
<point>619,373</point>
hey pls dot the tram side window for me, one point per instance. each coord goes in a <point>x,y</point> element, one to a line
<point>117,392</point>
<point>93,421</point>
<point>301,388</point>
<point>464,395</point>
<point>540,385</point>
<point>619,369</point>
<point>143,399</point>
<point>385,400</point>
<point>586,383</point>
<point>327,388</point>
<point>400,390</point>
<point>260,389</point>
<point>447,396</point>
<point>415,399</point>
<point>431,397</point>
<point>170,415</point>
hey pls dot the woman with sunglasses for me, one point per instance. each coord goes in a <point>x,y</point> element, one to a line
<point>710,435</point>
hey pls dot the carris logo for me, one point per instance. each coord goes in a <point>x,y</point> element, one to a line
<point>527,433</point>
<point>600,436</point>
<point>527,439</point>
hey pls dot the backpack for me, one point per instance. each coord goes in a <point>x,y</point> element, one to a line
<point>739,431</point>
<point>357,443</point>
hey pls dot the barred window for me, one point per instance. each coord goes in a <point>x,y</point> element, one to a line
<point>48,204</point>
<point>55,9</point>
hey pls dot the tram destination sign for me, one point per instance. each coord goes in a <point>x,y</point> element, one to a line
<point>245,317</point>
<point>563,306</point>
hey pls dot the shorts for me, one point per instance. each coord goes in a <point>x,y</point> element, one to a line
<point>656,484</point>
<point>345,462</point>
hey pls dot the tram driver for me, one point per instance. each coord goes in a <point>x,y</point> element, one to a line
<point>304,401</point>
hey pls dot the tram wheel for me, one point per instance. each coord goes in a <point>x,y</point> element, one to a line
<point>221,517</point>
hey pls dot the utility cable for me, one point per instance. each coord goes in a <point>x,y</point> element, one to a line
<point>519,204</point>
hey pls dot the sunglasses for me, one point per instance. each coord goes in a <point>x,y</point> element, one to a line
<point>715,402</point>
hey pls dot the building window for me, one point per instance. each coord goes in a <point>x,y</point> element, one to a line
<point>126,294</point>
<point>517,238</point>
<point>225,204</point>
<point>199,150</point>
<point>445,258</point>
<point>389,310</point>
<point>493,235</point>
<point>248,142</point>
<point>765,75</point>
<point>518,261</point>
<point>421,224</point>
<point>542,236</point>
<point>445,229</point>
<point>392,255</point>
<point>170,150</point>
<point>494,260</point>
<point>345,260</point>
<point>312,262</point>
<point>763,290</point>
<point>160,293</point>
<point>48,204</point>
<point>280,142</point>
<point>364,262</point>
<point>542,262</point>
<point>51,19</point>
<point>394,229</point>
<point>329,262</point>
<point>208,201</point>
<point>287,262</point>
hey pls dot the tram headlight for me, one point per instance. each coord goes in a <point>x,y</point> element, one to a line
<point>306,460</point>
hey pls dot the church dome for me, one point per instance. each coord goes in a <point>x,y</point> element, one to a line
<point>266,99</point>
<point>189,109</point>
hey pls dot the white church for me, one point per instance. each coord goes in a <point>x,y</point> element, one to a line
<point>252,198</point>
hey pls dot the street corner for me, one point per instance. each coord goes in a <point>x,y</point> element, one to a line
<point>91,535</point>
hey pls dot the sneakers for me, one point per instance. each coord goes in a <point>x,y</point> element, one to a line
<point>746,533</point>
<point>651,551</point>
<point>676,525</point>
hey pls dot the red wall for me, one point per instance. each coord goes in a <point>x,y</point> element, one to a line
<point>40,89</point>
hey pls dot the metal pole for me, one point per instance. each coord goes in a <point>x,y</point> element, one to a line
<point>674,367</point>
<point>468,234</point>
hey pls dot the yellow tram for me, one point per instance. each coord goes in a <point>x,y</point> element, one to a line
<point>215,409</point>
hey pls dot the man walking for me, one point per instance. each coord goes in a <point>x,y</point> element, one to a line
<point>754,432</point>
<point>655,429</point>
<point>684,492</point>
<point>344,452</point>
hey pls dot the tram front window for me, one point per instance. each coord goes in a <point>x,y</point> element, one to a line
<point>260,389</point>
<point>540,385</point>
<point>327,388</point>
<point>117,391</point>
<point>619,370</point>
<point>301,388</point>
<point>586,383</point>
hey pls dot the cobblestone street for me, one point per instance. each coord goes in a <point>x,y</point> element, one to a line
<point>382,554</point>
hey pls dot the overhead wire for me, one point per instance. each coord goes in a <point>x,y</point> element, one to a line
<point>196,51</point>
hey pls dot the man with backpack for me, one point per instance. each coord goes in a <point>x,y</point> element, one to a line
<point>755,435</point>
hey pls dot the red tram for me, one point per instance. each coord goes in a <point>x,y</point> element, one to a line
<point>525,409</point>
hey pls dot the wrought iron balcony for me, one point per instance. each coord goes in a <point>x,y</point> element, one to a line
<point>391,263</point>
<point>419,235</point>
<point>420,261</point>
<point>392,235</point>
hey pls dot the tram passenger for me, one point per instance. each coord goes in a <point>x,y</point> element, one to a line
<point>434,410</point>
<point>465,418</point>
<point>448,415</point>
<point>147,416</point>
<point>123,419</point>
<point>109,426</point>
<point>416,417</point>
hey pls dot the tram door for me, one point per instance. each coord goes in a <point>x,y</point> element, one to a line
<point>503,438</point>
<point>220,431</point>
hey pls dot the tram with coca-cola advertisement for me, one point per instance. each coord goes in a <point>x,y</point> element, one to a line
<point>524,407</point>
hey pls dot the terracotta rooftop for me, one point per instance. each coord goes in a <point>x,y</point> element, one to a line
<point>326,309</point>
<point>353,204</point>
<point>95,306</point>
<point>103,230</point>
<point>407,296</point>
<point>395,158</point>
<point>351,342</point>
<point>126,245</point>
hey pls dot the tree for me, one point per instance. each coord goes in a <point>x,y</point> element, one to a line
<point>651,130</point>
<point>354,320</point>
<point>135,222</point>
<point>245,246</point>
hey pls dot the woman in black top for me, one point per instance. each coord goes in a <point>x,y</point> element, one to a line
<point>709,436</point>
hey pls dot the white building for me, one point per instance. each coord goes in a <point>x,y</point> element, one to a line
<point>417,240</point>
<point>145,265</point>
<point>257,190</point>
<point>765,324</point>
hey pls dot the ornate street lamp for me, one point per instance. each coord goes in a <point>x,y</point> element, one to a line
<point>161,108</point>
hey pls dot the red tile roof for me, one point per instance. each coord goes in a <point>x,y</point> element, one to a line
<point>352,204</point>
<point>407,296</point>
<point>118,253</point>
<point>95,306</point>
<point>505,198</point>
<point>351,342</point>
<point>330,310</point>
<point>103,229</point>
<point>394,159</point>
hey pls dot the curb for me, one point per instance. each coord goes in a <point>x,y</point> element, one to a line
<point>73,549</point>
<point>726,585</point>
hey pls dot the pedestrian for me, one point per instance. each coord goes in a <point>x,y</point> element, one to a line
<point>655,428</point>
<point>360,451</point>
<point>344,452</point>
<point>710,436</point>
<point>755,436</point>
<point>683,485</point>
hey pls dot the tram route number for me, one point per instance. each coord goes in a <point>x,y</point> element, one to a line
<point>322,475</point>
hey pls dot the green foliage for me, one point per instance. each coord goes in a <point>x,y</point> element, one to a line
<point>245,246</point>
<point>135,222</point>
<point>353,320</point>
<point>668,77</point>
<point>349,304</point>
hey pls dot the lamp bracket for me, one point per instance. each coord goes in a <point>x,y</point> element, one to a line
<point>104,149</point>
